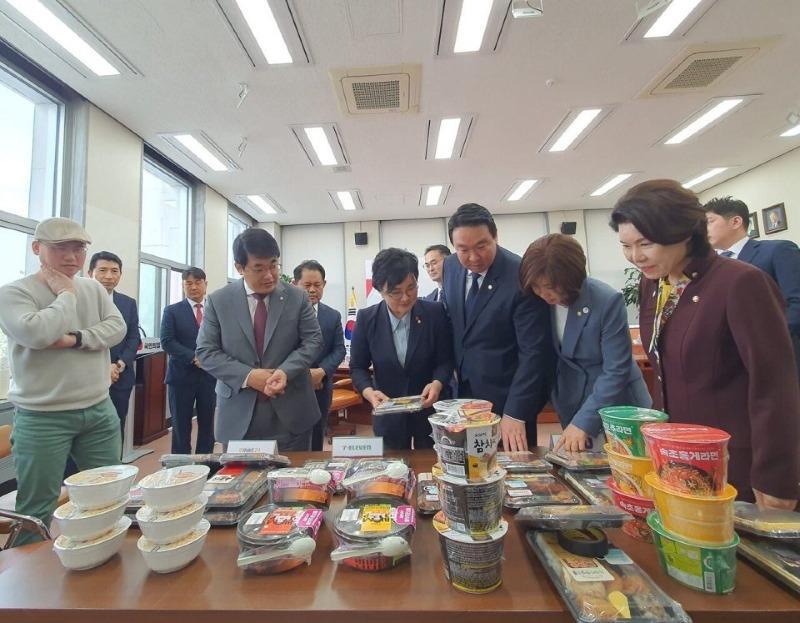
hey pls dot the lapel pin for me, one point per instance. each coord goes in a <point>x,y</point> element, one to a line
<point>580,313</point>
<point>695,299</point>
<point>694,275</point>
<point>489,287</point>
<point>585,310</point>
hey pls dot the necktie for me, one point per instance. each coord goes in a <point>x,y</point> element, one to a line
<point>198,314</point>
<point>260,323</point>
<point>727,254</point>
<point>436,295</point>
<point>472,296</point>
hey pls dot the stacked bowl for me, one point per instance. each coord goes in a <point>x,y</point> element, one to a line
<point>92,524</point>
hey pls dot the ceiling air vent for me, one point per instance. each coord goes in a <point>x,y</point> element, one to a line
<point>378,89</point>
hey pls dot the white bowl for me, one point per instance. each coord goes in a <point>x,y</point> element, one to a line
<point>173,556</point>
<point>79,555</point>
<point>84,525</point>
<point>101,486</point>
<point>166,527</point>
<point>169,489</point>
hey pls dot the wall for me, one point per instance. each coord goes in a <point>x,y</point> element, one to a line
<point>216,239</point>
<point>355,257</point>
<point>776,181</point>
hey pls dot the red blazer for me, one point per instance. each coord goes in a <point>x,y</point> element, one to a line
<point>727,362</point>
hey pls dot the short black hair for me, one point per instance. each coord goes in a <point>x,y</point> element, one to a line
<point>108,256</point>
<point>255,242</point>
<point>471,215</point>
<point>441,248</point>
<point>391,266</point>
<point>729,207</point>
<point>308,265</point>
<point>193,273</point>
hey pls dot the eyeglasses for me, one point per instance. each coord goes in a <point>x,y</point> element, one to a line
<point>274,267</point>
<point>432,263</point>
<point>67,247</point>
<point>397,295</point>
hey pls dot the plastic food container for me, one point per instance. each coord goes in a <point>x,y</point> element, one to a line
<point>466,444</point>
<point>612,588</point>
<point>235,486</point>
<point>390,478</point>
<point>463,406</point>
<point>703,568</point>
<point>522,462</point>
<point>428,502</point>
<point>578,461</point>
<point>689,457</point>
<point>274,539</point>
<point>300,485</point>
<point>622,426</point>
<point>80,555</point>
<point>537,490</point>
<point>629,472</point>
<point>474,508</point>
<point>637,506</point>
<point>84,525</point>
<point>373,534</point>
<point>100,487</point>
<point>173,556</point>
<point>591,485</point>
<point>773,524</point>
<point>473,566</point>
<point>579,517</point>
<point>174,487</point>
<point>338,468</point>
<point>779,559</point>
<point>162,527</point>
<point>695,519</point>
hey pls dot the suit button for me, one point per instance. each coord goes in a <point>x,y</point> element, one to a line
<point>659,378</point>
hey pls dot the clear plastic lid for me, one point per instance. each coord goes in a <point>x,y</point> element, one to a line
<point>403,404</point>
<point>577,517</point>
<point>198,532</point>
<point>64,542</point>
<point>537,489</point>
<point>579,460</point>
<point>775,524</point>
<point>101,475</point>
<point>463,405</point>
<point>522,462</point>
<point>591,485</point>
<point>174,476</point>
<point>272,524</point>
<point>260,459</point>
<point>235,485</point>
<point>456,421</point>
<point>151,515</point>
<point>780,559</point>
<point>69,511</point>
<point>374,518</point>
<point>428,501</point>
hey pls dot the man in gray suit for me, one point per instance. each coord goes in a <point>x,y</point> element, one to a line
<point>259,337</point>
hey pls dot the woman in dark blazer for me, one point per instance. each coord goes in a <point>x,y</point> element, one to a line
<point>408,343</point>
<point>715,332</point>
<point>592,341</point>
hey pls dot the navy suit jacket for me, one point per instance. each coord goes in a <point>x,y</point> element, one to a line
<point>429,355</point>
<point>179,339</point>
<point>431,296</point>
<point>330,323</point>
<point>505,351</point>
<point>595,366</point>
<point>126,349</point>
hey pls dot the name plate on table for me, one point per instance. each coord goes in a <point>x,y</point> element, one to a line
<point>357,447</point>
<point>269,446</point>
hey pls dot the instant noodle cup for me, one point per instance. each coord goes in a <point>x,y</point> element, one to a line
<point>175,487</point>
<point>169,557</point>
<point>274,539</point>
<point>694,519</point>
<point>637,506</point>
<point>301,485</point>
<point>464,406</point>
<point>84,525</point>
<point>467,444</point>
<point>474,508</point>
<point>622,426</point>
<point>162,527</point>
<point>80,555</point>
<point>691,458</point>
<point>100,487</point>
<point>629,472</point>
<point>703,568</point>
<point>471,565</point>
<point>373,534</point>
<point>390,478</point>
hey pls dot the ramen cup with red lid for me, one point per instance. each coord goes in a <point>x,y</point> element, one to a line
<point>689,458</point>
<point>637,506</point>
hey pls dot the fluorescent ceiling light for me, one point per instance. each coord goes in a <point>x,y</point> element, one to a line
<point>259,17</point>
<point>448,131</point>
<point>319,141</point>
<point>472,25</point>
<point>62,34</point>
<point>260,202</point>
<point>522,188</point>
<point>578,125</point>
<point>792,131</point>
<point>433,195</point>
<point>612,183</point>
<point>702,178</point>
<point>201,151</point>
<point>671,18</point>
<point>346,200</point>
<point>703,120</point>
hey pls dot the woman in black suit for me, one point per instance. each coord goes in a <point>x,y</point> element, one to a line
<point>408,343</point>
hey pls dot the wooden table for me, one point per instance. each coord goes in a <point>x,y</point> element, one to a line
<point>212,589</point>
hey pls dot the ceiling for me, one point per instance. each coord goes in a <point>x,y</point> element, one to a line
<point>573,56</point>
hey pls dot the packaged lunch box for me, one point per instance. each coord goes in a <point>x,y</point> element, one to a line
<point>523,462</point>
<point>591,485</point>
<point>338,468</point>
<point>780,559</point>
<point>537,490</point>
<point>578,461</point>
<point>579,517</point>
<point>300,485</point>
<point>769,523</point>
<point>391,478</point>
<point>428,502</point>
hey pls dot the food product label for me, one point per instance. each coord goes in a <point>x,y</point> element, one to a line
<point>583,569</point>
<point>455,470</point>
<point>280,521</point>
<point>376,518</point>
<point>253,447</point>
<point>256,518</point>
<point>516,484</point>
<point>617,557</point>
<point>451,454</point>
<point>350,514</point>
<point>404,516</point>
<point>519,493</point>
<point>227,474</point>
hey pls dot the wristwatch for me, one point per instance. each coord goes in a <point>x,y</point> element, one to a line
<point>78,338</point>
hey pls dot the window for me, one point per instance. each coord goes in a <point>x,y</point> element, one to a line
<point>235,227</point>
<point>159,286</point>
<point>165,215</point>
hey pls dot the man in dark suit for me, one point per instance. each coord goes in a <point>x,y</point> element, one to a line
<point>106,267</point>
<point>310,275</point>
<point>728,222</point>
<point>435,256</point>
<point>189,386</point>
<point>501,335</point>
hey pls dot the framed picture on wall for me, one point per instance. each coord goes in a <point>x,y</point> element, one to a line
<point>753,231</point>
<point>774,218</point>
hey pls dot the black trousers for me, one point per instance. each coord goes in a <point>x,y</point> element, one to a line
<point>183,400</point>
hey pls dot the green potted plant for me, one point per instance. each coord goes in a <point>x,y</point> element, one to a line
<point>630,291</point>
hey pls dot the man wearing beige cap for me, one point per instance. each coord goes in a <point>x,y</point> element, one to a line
<point>60,328</point>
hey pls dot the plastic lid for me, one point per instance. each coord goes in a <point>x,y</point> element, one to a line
<point>174,476</point>
<point>524,461</point>
<point>772,523</point>
<point>576,517</point>
<point>530,489</point>
<point>635,414</point>
<point>455,422</point>
<point>64,542</point>
<point>685,433</point>
<point>68,510</point>
<point>198,532</point>
<point>236,486</point>
<point>468,404</point>
<point>654,521</point>
<point>272,524</point>
<point>440,523</point>
<point>149,515</point>
<point>101,475</point>
<point>371,518</point>
<point>314,475</point>
<point>579,460</point>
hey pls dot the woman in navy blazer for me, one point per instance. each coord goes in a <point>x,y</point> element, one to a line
<point>591,337</point>
<point>408,343</point>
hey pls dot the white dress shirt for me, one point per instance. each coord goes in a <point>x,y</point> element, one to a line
<point>469,282</point>
<point>736,248</point>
